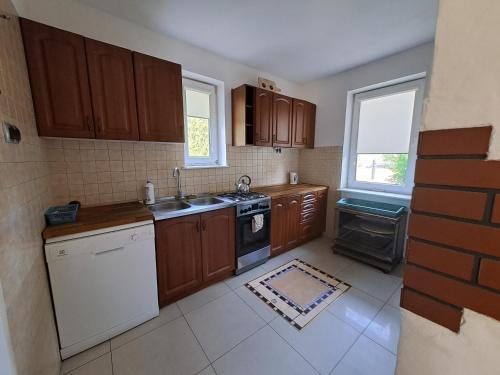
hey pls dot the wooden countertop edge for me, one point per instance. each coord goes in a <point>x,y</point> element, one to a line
<point>288,189</point>
<point>100,217</point>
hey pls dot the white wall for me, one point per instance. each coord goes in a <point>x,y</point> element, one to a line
<point>464,92</point>
<point>6,357</point>
<point>330,94</point>
<point>92,23</point>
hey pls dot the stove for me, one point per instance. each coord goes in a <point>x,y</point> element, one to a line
<point>242,197</point>
<point>253,247</point>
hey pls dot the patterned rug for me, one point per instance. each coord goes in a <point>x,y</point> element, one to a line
<point>297,291</point>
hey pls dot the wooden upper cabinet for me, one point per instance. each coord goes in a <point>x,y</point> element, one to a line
<point>282,120</point>
<point>178,256</point>
<point>59,81</point>
<point>278,226</point>
<point>159,99</point>
<point>263,127</point>
<point>311,127</point>
<point>111,73</point>
<point>218,243</point>
<point>300,123</point>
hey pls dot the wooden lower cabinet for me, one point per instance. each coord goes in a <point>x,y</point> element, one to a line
<point>178,256</point>
<point>193,251</point>
<point>218,246</point>
<point>296,219</point>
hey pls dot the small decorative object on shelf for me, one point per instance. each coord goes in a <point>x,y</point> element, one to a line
<point>372,232</point>
<point>267,84</point>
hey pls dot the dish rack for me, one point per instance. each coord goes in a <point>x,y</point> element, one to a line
<point>371,232</point>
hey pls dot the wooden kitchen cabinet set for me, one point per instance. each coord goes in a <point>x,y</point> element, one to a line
<point>83,88</point>
<point>296,219</point>
<point>194,251</point>
<point>266,118</point>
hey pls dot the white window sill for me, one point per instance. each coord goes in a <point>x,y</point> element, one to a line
<point>204,166</point>
<point>382,195</point>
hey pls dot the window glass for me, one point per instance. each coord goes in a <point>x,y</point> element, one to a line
<point>198,123</point>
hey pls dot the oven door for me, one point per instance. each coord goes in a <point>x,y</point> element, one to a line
<point>246,240</point>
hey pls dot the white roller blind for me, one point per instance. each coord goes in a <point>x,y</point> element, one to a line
<point>385,124</point>
<point>198,104</point>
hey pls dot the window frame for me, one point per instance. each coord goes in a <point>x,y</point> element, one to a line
<point>418,85</point>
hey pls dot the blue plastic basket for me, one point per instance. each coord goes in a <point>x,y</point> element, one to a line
<point>61,214</point>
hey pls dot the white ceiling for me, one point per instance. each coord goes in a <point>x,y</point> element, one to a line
<point>299,40</point>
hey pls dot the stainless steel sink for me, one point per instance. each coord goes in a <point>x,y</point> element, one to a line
<point>205,201</point>
<point>169,206</point>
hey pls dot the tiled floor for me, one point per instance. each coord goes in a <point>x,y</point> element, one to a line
<point>225,329</point>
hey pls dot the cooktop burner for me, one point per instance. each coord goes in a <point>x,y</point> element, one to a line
<point>243,197</point>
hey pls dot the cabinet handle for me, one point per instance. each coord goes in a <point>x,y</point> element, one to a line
<point>198,226</point>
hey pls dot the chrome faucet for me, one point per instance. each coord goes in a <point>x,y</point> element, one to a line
<point>177,174</point>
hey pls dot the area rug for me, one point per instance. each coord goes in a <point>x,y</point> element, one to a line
<point>297,291</point>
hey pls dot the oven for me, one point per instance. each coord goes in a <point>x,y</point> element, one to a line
<point>252,249</point>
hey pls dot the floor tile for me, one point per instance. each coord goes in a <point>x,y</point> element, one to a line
<point>85,357</point>
<point>170,349</point>
<point>275,262</point>
<point>167,314</point>
<point>366,358</point>
<point>322,342</point>
<point>207,371</point>
<point>223,323</point>
<point>384,329</point>
<point>202,297</point>
<point>356,308</point>
<point>394,301</point>
<point>256,304</point>
<point>240,280</point>
<point>370,280</point>
<point>99,366</point>
<point>264,353</point>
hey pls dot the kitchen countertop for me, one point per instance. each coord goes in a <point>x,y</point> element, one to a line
<point>278,191</point>
<point>92,218</point>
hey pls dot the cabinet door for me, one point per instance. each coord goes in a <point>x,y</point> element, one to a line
<point>59,81</point>
<point>111,75</point>
<point>321,205</point>
<point>278,226</point>
<point>282,120</point>
<point>300,123</point>
<point>218,246</point>
<point>292,221</point>
<point>159,99</point>
<point>263,128</point>
<point>311,125</point>
<point>178,256</point>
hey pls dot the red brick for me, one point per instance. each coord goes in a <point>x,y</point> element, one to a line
<point>464,141</point>
<point>489,273</point>
<point>440,259</point>
<point>452,291</point>
<point>475,237</point>
<point>466,173</point>
<point>463,204</point>
<point>437,312</point>
<point>495,214</point>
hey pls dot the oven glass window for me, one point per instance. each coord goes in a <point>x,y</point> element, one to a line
<point>246,240</point>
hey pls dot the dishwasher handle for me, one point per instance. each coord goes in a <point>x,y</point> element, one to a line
<point>107,251</point>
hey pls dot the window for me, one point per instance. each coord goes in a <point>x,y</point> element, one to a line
<point>202,125</point>
<point>383,138</point>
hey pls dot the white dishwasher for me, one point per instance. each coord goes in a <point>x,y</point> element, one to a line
<point>103,283</point>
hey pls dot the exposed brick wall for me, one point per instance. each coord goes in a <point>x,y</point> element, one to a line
<point>453,254</point>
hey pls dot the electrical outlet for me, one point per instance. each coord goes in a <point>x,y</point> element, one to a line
<point>11,133</point>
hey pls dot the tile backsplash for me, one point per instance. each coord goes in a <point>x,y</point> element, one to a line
<point>99,172</point>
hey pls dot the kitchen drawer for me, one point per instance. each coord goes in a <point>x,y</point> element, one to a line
<point>321,194</point>
<point>307,217</point>
<point>309,197</point>
<point>306,231</point>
